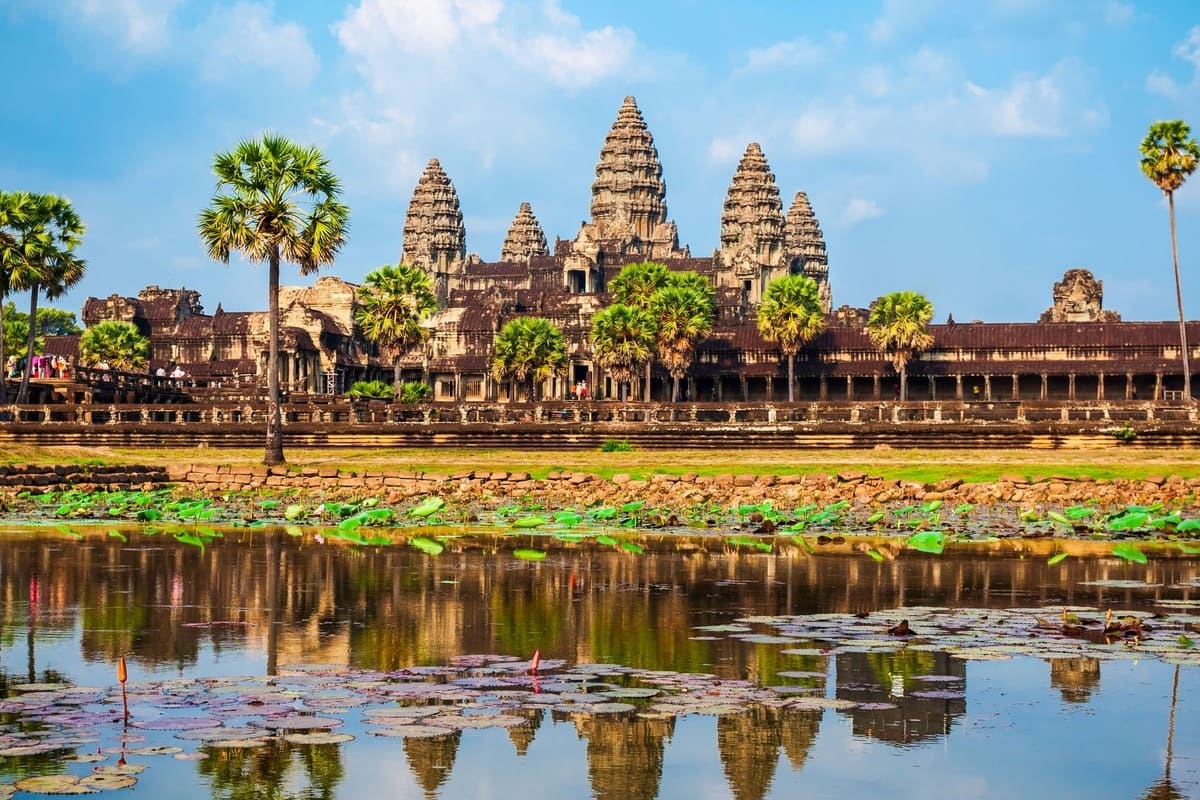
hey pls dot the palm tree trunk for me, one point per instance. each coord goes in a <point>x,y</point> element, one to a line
<point>674,388</point>
<point>647,390</point>
<point>23,392</point>
<point>903,383</point>
<point>3,359</point>
<point>274,451</point>
<point>396,375</point>
<point>1183,345</point>
<point>791,378</point>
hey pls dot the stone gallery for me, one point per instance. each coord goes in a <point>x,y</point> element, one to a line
<point>1077,350</point>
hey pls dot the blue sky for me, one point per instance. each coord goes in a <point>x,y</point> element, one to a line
<point>969,150</point>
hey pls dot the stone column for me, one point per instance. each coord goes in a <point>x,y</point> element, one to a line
<point>849,387</point>
<point>1128,386</point>
<point>1071,387</point>
<point>1016,379</point>
<point>875,387</point>
<point>823,388</point>
<point>987,388</point>
<point>1158,386</point>
<point>1100,386</point>
<point>958,388</point>
<point>1045,385</point>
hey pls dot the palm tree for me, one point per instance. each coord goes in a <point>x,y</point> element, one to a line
<point>623,339</point>
<point>52,265</point>
<point>634,286</point>
<point>276,201</point>
<point>395,300</point>
<point>684,313</point>
<point>119,344</point>
<point>530,349</point>
<point>1168,158</point>
<point>899,326</point>
<point>14,208</point>
<point>791,315</point>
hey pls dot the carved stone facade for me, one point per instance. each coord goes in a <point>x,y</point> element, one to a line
<point>752,228</point>
<point>806,247</point>
<point>525,238</point>
<point>434,236</point>
<point>1079,297</point>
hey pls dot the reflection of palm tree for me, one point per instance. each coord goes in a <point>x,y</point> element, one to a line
<point>1164,788</point>
<point>265,773</point>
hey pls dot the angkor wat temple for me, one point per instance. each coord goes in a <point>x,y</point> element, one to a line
<point>1077,350</point>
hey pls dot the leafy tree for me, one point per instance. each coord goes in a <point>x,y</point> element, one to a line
<point>55,268</point>
<point>684,312</point>
<point>38,236</point>
<point>372,390</point>
<point>1168,158</point>
<point>623,339</point>
<point>414,392</point>
<point>51,322</point>
<point>899,326</point>
<point>529,349</point>
<point>395,301</point>
<point>119,344</point>
<point>635,286</point>
<point>791,315</point>
<point>276,201</point>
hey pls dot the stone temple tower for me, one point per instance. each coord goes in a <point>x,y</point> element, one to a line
<point>752,229</point>
<point>525,238</point>
<point>806,247</point>
<point>434,237</point>
<point>629,209</point>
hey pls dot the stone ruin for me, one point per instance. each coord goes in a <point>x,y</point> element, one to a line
<point>1079,297</point>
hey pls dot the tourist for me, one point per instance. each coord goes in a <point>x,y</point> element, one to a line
<point>10,369</point>
<point>161,372</point>
<point>582,391</point>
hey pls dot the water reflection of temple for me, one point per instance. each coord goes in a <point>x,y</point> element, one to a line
<point>1075,677</point>
<point>899,708</point>
<point>624,753</point>
<point>431,760</point>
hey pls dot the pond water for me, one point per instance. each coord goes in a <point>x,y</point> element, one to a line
<point>686,673</point>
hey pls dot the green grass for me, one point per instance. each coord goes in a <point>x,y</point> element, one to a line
<point>924,466</point>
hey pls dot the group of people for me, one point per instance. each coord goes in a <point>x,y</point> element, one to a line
<point>177,375</point>
<point>580,391</point>
<point>41,367</point>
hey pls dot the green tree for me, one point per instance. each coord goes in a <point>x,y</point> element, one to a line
<point>395,301</point>
<point>118,344</point>
<point>528,349</point>
<point>1168,158</point>
<point>899,326</point>
<point>684,311</point>
<point>38,236</point>
<point>623,339</point>
<point>371,390</point>
<point>791,315</point>
<point>276,201</point>
<point>635,286</point>
<point>51,322</point>
<point>53,266</point>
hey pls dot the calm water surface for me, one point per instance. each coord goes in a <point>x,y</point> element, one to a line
<point>260,604</point>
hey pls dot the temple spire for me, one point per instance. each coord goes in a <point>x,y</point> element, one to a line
<point>525,237</point>
<point>752,226</point>
<point>806,244</point>
<point>434,236</point>
<point>629,189</point>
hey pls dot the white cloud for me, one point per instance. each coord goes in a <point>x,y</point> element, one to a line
<point>726,149</point>
<point>1158,82</point>
<point>1189,48</point>
<point>858,210</point>
<point>244,38</point>
<point>801,52</point>
<point>1117,13</point>
<point>141,27</point>
<point>1050,105</point>
<point>381,36</point>
<point>899,17</point>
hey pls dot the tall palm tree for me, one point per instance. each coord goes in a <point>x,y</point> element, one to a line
<point>24,244</point>
<point>119,344</point>
<point>395,301</point>
<point>530,349</point>
<point>1168,158</point>
<point>684,314</point>
<point>899,326</point>
<point>635,286</point>
<point>623,339</point>
<point>791,314</point>
<point>276,201</point>
<point>53,266</point>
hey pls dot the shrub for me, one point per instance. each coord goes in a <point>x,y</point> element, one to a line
<point>1126,433</point>
<point>414,392</point>
<point>372,390</point>
<point>616,446</point>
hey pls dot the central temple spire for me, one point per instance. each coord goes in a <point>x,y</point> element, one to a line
<point>629,188</point>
